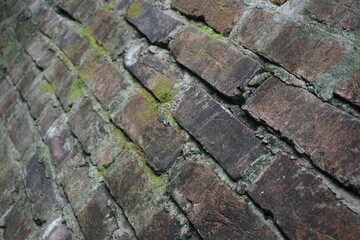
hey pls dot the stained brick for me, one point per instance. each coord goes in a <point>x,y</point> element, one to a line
<point>79,10</point>
<point>48,21</point>
<point>229,141</point>
<point>329,136</point>
<point>161,144</point>
<point>221,15</point>
<point>40,51</point>
<point>302,205</point>
<point>218,63</point>
<point>21,69</point>
<point>152,22</point>
<point>350,89</point>
<point>73,44</point>
<point>214,210</point>
<point>304,51</point>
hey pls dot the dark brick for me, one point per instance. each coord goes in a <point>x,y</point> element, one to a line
<point>157,75</point>
<point>24,29</point>
<point>40,190</point>
<point>232,144</point>
<point>350,89</point>
<point>161,144</point>
<point>73,44</point>
<point>39,51</point>
<point>278,2</point>
<point>48,21</point>
<point>218,63</point>
<point>329,136</point>
<point>8,96</point>
<point>79,10</point>
<point>295,47</point>
<point>221,15</point>
<point>152,22</point>
<point>214,210</point>
<point>302,205</point>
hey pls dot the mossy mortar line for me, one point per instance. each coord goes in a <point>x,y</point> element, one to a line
<point>134,9</point>
<point>93,43</point>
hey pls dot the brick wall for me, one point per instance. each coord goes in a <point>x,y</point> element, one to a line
<point>179,119</point>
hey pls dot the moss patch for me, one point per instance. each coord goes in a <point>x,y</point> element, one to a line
<point>204,54</point>
<point>93,43</point>
<point>47,88</point>
<point>107,8</point>
<point>134,9</point>
<point>76,90</point>
<point>164,90</point>
<point>210,33</point>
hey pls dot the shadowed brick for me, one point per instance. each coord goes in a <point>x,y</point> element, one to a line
<point>214,210</point>
<point>229,141</point>
<point>48,21</point>
<point>79,10</point>
<point>218,63</point>
<point>350,89</point>
<point>221,15</point>
<point>40,52</point>
<point>152,22</point>
<point>302,205</point>
<point>329,136</point>
<point>8,96</point>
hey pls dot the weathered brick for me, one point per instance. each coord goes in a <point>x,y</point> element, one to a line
<point>152,22</point>
<point>214,210</point>
<point>341,14</point>
<point>302,205</point>
<point>350,89</point>
<point>218,63</point>
<point>40,52</point>
<point>119,4</point>
<point>24,29</point>
<point>22,69</point>
<point>157,75</point>
<point>99,220</point>
<point>73,44</point>
<point>303,50</point>
<point>232,144</point>
<point>48,21</point>
<point>221,15</point>
<point>47,118</point>
<point>80,11</point>
<point>58,230</point>
<point>137,190</point>
<point>103,79</point>
<point>161,144</point>
<point>278,2</point>
<point>40,190</point>
<point>8,96</point>
<point>329,136</point>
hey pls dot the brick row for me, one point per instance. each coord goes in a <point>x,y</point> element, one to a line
<point>80,11</point>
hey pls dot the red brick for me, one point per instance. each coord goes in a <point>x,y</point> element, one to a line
<point>221,15</point>
<point>214,210</point>
<point>218,63</point>
<point>232,144</point>
<point>307,52</point>
<point>48,21</point>
<point>161,144</point>
<point>79,10</point>
<point>302,205</point>
<point>350,89</point>
<point>152,22</point>
<point>324,133</point>
<point>39,51</point>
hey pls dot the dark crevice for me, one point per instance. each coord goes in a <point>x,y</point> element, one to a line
<point>65,14</point>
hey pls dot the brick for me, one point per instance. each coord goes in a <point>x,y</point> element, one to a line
<point>152,22</point>
<point>119,4</point>
<point>103,79</point>
<point>80,11</point>
<point>344,15</point>
<point>48,21</point>
<point>24,29</point>
<point>324,133</point>
<point>308,209</point>
<point>58,229</point>
<point>221,15</point>
<point>214,210</point>
<point>98,219</point>
<point>157,75</point>
<point>22,69</point>
<point>218,63</point>
<point>8,96</point>
<point>232,144</point>
<point>40,52</point>
<point>136,189</point>
<point>73,44</point>
<point>295,47</point>
<point>47,118</point>
<point>350,89</point>
<point>161,144</point>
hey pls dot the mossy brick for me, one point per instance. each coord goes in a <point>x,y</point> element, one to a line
<point>350,89</point>
<point>157,75</point>
<point>222,15</point>
<point>73,44</point>
<point>48,21</point>
<point>21,68</point>
<point>161,144</point>
<point>8,96</point>
<point>326,134</point>
<point>218,63</point>
<point>120,5</point>
<point>133,185</point>
<point>24,28</point>
<point>232,144</point>
<point>79,10</point>
<point>214,210</point>
<point>302,205</point>
<point>39,50</point>
<point>152,22</point>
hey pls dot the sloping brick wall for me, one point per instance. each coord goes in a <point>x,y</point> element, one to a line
<point>179,119</point>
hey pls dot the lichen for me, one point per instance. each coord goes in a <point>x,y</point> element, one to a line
<point>107,7</point>
<point>47,88</point>
<point>164,90</point>
<point>134,9</point>
<point>76,90</point>
<point>204,54</point>
<point>210,33</point>
<point>93,43</point>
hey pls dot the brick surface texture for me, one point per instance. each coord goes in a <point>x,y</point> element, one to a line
<point>179,119</point>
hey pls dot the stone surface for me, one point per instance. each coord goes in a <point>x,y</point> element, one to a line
<point>58,230</point>
<point>21,68</point>
<point>232,144</point>
<point>214,210</point>
<point>302,205</point>
<point>152,22</point>
<point>80,11</point>
<point>8,97</point>
<point>350,89</point>
<point>221,15</point>
<point>40,52</point>
<point>218,63</point>
<point>119,4</point>
<point>329,136</point>
<point>161,144</point>
<point>48,117</point>
<point>48,21</point>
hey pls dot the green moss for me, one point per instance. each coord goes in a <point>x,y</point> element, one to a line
<point>210,33</point>
<point>93,43</point>
<point>134,9</point>
<point>221,5</point>
<point>102,171</point>
<point>164,90</point>
<point>76,90</point>
<point>107,8</point>
<point>204,54</point>
<point>47,88</point>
